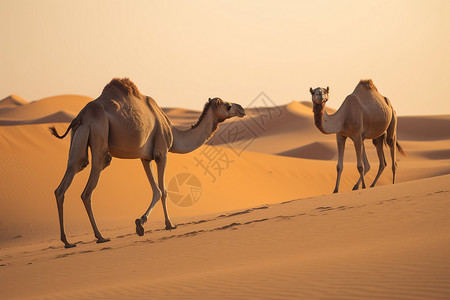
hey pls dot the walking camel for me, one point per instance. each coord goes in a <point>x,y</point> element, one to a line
<point>123,123</point>
<point>364,114</point>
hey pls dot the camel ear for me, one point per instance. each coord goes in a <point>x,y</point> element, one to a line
<point>328,89</point>
<point>209,99</point>
<point>311,91</point>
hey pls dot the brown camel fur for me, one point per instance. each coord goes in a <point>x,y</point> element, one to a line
<point>364,114</point>
<point>123,123</point>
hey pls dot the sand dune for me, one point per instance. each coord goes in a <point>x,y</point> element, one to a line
<point>58,117</point>
<point>424,128</point>
<point>262,222</point>
<point>314,150</point>
<point>12,101</point>
<point>45,107</point>
<point>263,122</point>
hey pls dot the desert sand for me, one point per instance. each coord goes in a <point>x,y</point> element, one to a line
<point>254,207</point>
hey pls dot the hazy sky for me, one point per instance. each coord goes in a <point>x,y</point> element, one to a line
<point>182,52</point>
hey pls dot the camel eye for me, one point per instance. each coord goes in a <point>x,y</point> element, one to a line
<point>228,106</point>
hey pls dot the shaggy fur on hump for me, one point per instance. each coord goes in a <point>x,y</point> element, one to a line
<point>205,110</point>
<point>125,85</point>
<point>368,84</point>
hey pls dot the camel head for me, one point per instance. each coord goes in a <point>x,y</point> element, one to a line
<point>225,110</point>
<point>319,95</point>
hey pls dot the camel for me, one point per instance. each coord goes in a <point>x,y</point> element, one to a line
<point>364,114</point>
<point>125,124</point>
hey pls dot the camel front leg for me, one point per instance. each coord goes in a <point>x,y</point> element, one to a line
<point>161,164</point>
<point>156,196</point>
<point>340,165</point>
<point>358,141</point>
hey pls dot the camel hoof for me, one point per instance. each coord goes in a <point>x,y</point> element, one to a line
<point>67,246</point>
<point>139,228</point>
<point>102,240</point>
<point>170,227</point>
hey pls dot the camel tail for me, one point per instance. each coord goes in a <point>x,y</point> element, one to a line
<point>400,149</point>
<point>74,124</point>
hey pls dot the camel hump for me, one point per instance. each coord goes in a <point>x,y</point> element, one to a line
<point>125,85</point>
<point>368,84</point>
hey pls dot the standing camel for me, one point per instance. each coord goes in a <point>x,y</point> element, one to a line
<point>123,123</point>
<point>364,114</point>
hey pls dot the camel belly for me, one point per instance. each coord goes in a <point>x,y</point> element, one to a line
<point>374,133</point>
<point>376,126</point>
<point>128,143</point>
<point>130,154</point>
<point>129,137</point>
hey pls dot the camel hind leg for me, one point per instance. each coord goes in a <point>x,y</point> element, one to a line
<point>101,158</point>
<point>391,140</point>
<point>366,165</point>
<point>77,161</point>
<point>392,143</point>
<point>360,152</point>
<point>161,161</point>
<point>378,142</point>
<point>156,196</point>
<point>159,192</point>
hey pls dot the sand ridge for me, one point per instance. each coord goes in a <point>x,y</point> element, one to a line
<point>54,109</point>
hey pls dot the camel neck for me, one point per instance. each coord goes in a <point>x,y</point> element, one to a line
<point>185,141</point>
<point>323,121</point>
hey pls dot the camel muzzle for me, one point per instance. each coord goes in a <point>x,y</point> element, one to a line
<point>240,111</point>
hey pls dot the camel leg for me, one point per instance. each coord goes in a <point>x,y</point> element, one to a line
<point>156,196</point>
<point>378,142</point>
<point>101,158</point>
<point>340,165</point>
<point>77,161</point>
<point>359,148</point>
<point>161,164</point>
<point>393,147</point>
<point>59,194</point>
<point>86,196</point>
<point>391,139</point>
<point>366,166</point>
